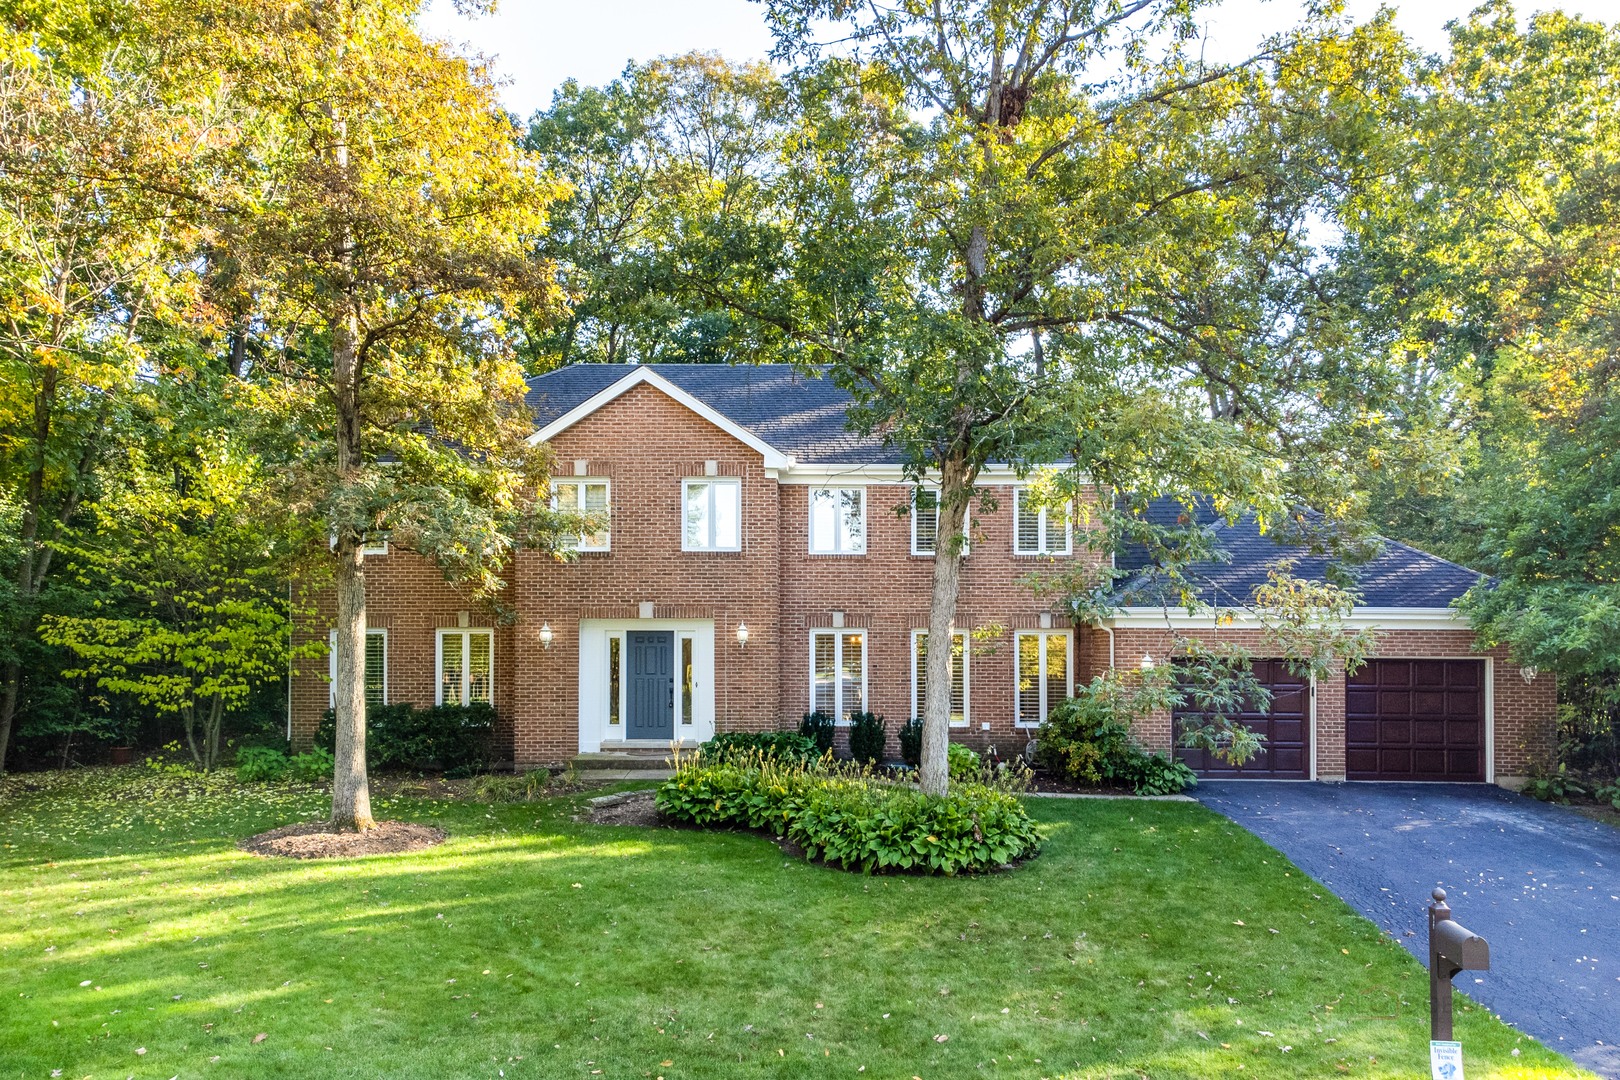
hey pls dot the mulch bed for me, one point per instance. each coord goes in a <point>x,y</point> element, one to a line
<point>1048,783</point>
<point>636,808</point>
<point>318,840</point>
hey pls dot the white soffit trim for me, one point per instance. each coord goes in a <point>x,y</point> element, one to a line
<point>774,458</point>
<point>1381,618</point>
<point>833,475</point>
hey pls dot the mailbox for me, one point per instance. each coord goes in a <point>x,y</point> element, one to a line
<point>1452,948</point>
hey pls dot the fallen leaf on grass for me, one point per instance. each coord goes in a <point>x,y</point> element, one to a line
<point>259,1038</point>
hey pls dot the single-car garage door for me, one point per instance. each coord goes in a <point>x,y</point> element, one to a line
<point>1415,720</point>
<point>1286,727</point>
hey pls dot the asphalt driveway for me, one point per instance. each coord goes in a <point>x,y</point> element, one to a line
<point>1540,883</point>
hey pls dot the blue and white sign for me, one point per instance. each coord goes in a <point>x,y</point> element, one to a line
<point>1445,1060</point>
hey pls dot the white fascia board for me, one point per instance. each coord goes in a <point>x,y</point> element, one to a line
<point>835,475</point>
<point>1376,618</point>
<point>774,458</point>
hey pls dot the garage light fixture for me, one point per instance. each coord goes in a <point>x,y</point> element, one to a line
<point>742,635</point>
<point>1147,661</point>
<point>1528,673</point>
<point>546,635</point>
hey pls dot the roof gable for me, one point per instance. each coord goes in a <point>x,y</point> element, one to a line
<point>638,375</point>
<point>801,415</point>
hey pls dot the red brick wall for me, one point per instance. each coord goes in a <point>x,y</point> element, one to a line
<point>886,591</point>
<point>1524,715</point>
<point>644,444</point>
<point>408,596</point>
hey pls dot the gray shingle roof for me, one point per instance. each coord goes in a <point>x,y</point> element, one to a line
<point>799,414</point>
<point>805,415</point>
<point>1396,574</point>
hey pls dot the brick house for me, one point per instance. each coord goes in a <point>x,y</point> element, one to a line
<point>761,560</point>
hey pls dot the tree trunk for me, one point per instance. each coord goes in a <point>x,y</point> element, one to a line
<point>8,707</point>
<point>351,794</point>
<point>957,478</point>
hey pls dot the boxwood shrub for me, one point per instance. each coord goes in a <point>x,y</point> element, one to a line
<point>820,727</point>
<point>759,745</point>
<point>854,819</point>
<point>458,739</point>
<point>868,737</point>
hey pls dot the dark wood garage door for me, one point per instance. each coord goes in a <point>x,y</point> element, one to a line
<point>1286,727</point>
<point>1416,720</point>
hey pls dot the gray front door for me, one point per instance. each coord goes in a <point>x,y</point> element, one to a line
<point>652,684</point>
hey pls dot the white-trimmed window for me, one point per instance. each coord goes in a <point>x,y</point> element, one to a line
<point>838,521</point>
<point>466,667</point>
<point>584,496</point>
<point>838,672</point>
<point>712,511</point>
<point>374,545</point>
<point>1039,530</point>
<point>1044,674</point>
<point>959,675</point>
<point>925,521</point>
<point>376,667</point>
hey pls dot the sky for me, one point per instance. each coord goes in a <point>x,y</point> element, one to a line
<point>537,44</point>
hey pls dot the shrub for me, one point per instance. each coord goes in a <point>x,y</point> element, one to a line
<point>868,737</point>
<point>851,818</point>
<point>314,766</point>
<point>819,728</point>
<point>457,739</point>
<point>1085,742</point>
<point>261,764</point>
<point>911,742</point>
<point>1155,774</point>
<point>1555,786</point>
<point>757,745</point>
<point>963,763</point>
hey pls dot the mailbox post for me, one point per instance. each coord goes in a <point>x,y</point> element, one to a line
<point>1452,948</point>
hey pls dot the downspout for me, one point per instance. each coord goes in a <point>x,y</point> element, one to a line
<point>1109,630</point>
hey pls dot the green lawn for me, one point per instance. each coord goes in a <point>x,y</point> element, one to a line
<point>1149,939</point>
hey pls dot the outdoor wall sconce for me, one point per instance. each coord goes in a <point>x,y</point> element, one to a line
<point>742,635</point>
<point>1528,673</point>
<point>546,635</point>
<point>1147,661</point>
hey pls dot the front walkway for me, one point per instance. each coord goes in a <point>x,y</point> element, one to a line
<point>1540,883</point>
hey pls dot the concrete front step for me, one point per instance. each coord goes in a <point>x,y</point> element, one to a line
<point>616,760</point>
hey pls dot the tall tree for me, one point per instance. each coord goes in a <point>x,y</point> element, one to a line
<point>1488,263</point>
<point>90,255</point>
<point>190,564</point>
<point>659,150</point>
<point>1045,230</point>
<point>379,232</point>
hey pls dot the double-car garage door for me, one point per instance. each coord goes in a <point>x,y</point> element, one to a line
<point>1404,720</point>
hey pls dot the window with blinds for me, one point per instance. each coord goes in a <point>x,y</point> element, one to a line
<point>1043,675</point>
<point>924,520</point>
<point>1039,530</point>
<point>376,667</point>
<point>466,667</point>
<point>838,672</point>
<point>959,675</point>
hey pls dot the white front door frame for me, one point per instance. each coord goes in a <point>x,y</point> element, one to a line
<point>595,727</point>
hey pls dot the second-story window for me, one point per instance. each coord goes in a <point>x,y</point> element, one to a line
<point>713,514</point>
<point>1039,530</point>
<point>584,497</point>
<point>924,520</point>
<point>838,521</point>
